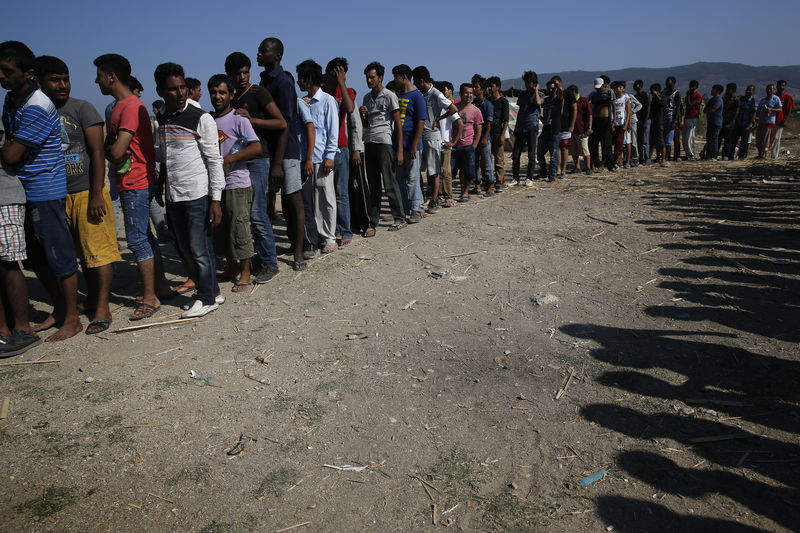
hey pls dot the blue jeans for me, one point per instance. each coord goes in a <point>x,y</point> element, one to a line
<point>548,142</point>
<point>341,177</point>
<point>408,178</point>
<point>483,164</point>
<point>263,238</point>
<point>643,138</point>
<point>712,141</point>
<point>188,222</point>
<point>136,212</point>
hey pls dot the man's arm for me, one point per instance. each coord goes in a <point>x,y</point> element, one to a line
<point>311,136</point>
<point>347,101</point>
<point>459,129</point>
<point>398,130</point>
<point>94,146</point>
<point>274,122</point>
<point>355,137</point>
<point>14,152</point>
<point>574,116</point>
<point>478,128</point>
<point>451,110</point>
<point>412,149</point>
<point>332,130</point>
<point>251,151</point>
<point>208,143</point>
<point>628,113</point>
<point>117,151</point>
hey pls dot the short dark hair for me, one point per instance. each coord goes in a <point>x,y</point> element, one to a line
<point>402,70</point>
<point>336,62</point>
<point>638,84</point>
<point>443,85</point>
<point>572,89</point>
<point>464,86</point>
<point>530,76</point>
<point>19,53</point>
<point>235,61</point>
<point>731,86</point>
<point>192,83</point>
<point>556,78</point>
<point>167,70</point>
<point>672,78</point>
<point>421,72</point>
<point>310,70</point>
<point>134,84</point>
<point>612,86</point>
<point>114,64</point>
<point>392,86</point>
<point>622,83</point>
<point>218,79</point>
<point>494,80</point>
<point>276,43</point>
<point>157,103</point>
<point>656,87</point>
<point>717,87</point>
<point>45,65</point>
<point>694,83</point>
<point>377,67</point>
<point>605,79</point>
<point>781,81</point>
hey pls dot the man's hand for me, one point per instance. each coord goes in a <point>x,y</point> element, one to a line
<point>482,143</point>
<point>226,165</point>
<point>242,112</point>
<point>341,76</point>
<point>448,144</point>
<point>308,168</point>
<point>363,112</point>
<point>327,166</point>
<point>398,159</point>
<point>97,205</point>
<point>356,157</point>
<point>412,153</point>
<point>214,213</point>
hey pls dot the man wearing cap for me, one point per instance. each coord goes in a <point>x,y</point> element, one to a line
<point>602,100</point>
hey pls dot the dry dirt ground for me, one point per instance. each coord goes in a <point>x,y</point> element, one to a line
<point>479,364</point>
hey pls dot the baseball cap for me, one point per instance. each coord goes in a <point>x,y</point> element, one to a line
<point>598,82</point>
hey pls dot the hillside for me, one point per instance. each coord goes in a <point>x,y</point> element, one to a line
<point>706,73</point>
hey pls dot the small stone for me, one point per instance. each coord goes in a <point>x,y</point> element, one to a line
<point>513,486</point>
<point>88,380</point>
<point>392,420</point>
<point>687,411</point>
<point>545,299</point>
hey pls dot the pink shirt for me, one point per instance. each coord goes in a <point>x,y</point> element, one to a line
<point>471,117</point>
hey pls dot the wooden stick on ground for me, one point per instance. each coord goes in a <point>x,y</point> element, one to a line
<point>154,324</point>
<point>603,220</point>
<point>41,361</point>
<point>563,389</point>
<point>4,408</point>
<point>293,527</point>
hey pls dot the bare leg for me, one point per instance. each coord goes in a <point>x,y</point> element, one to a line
<point>17,293</point>
<point>147,273</point>
<point>102,277</point>
<point>69,307</point>
<point>54,291</point>
<point>299,224</point>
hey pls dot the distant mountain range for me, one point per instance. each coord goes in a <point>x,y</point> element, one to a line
<point>707,74</point>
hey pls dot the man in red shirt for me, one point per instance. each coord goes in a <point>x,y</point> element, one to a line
<point>579,149</point>
<point>335,84</point>
<point>692,102</point>
<point>787,107</point>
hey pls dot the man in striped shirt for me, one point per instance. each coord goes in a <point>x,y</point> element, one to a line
<point>34,150</point>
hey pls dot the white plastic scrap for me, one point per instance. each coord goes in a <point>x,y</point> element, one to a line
<point>349,468</point>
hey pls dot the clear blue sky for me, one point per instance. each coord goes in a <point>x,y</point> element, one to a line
<point>454,40</point>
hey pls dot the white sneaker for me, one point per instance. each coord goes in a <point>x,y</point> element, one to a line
<point>512,183</point>
<point>219,299</point>
<point>199,309</point>
<point>528,183</point>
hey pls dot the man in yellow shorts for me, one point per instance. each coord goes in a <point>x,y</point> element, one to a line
<point>90,216</point>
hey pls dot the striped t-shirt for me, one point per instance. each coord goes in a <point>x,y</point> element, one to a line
<point>36,124</point>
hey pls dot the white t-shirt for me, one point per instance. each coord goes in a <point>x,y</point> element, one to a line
<point>620,106</point>
<point>446,127</point>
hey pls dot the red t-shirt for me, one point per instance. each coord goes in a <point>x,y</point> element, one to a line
<point>693,101</point>
<point>130,115</point>
<point>342,114</point>
<point>787,105</point>
<point>582,118</point>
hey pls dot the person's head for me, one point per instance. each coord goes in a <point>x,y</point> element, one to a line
<point>573,90</point>
<point>158,106</point>
<point>530,79</point>
<point>135,86</point>
<point>402,74</point>
<point>392,86</point>
<point>16,66</point>
<point>331,68</point>
<point>617,89</point>
<point>112,69</point>
<point>466,93</point>
<point>750,90</point>
<point>730,89</point>
<point>693,85</point>
<point>53,76</point>
<point>780,86</point>
<point>637,85</point>
<point>195,88</point>
<point>422,78</point>
<point>309,75</point>
<point>478,86</point>
<point>374,74</point>
<point>493,85</point>
<point>446,88</point>
<point>769,89</point>
<point>220,92</point>
<point>551,87</point>
<point>557,80</point>
<point>717,89</point>
<point>670,82</point>
<point>606,80</point>
<point>655,90</point>
<point>171,86</point>
<point>270,53</point>
<point>237,67</point>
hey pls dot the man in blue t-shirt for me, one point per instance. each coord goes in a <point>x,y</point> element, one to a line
<point>413,114</point>
<point>33,150</point>
<point>767,111</point>
<point>714,115</point>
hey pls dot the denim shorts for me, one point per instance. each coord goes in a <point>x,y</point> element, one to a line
<point>48,238</point>
<point>291,176</point>
<point>669,134</point>
<point>136,212</point>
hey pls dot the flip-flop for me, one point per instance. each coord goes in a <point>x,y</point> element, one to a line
<point>299,266</point>
<point>369,232</point>
<point>143,311</point>
<point>397,226</point>
<point>239,286</point>
<point>463,199</point>
<point>102,323</point>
